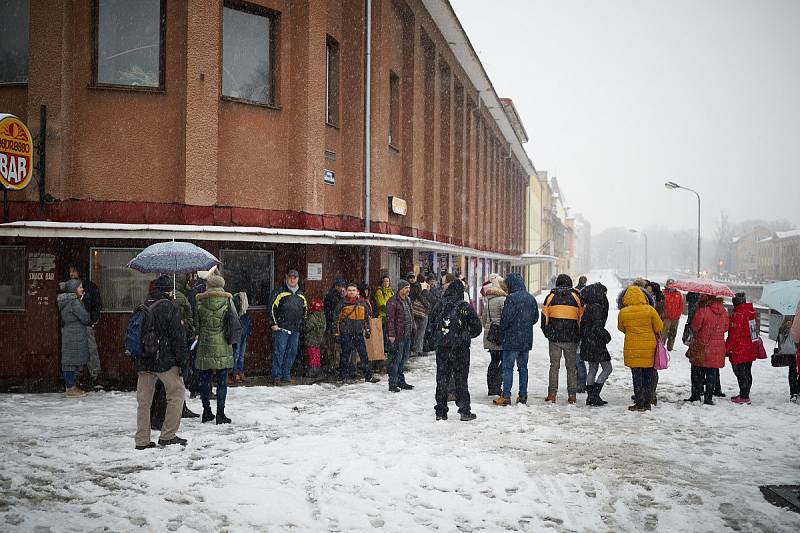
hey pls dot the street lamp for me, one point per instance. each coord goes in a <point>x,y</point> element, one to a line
<point>673,185</point>
<point>645,248</point>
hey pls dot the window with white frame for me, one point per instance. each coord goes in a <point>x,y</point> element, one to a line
<point>121,288</point>
<point>251,271</point>
<point>12,278</point>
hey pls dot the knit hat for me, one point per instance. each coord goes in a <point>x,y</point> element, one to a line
<point>339,283</point>
<point>203,274</point>
<point>215,282</point>
<point>316,305</point>
<point>402,284</point>
<point>71,285</point>
<point>496,280</point>
<point>163,284</point>
<point>740,298</point>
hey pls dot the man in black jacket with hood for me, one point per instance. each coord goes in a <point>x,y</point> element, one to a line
<point>562,312</point>
<point>165,367</point>
<point>452,326</point>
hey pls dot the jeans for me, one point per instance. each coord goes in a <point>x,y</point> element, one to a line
<point>350,342</point>
<point>744,376</point>
<point>400,351</point>
<point>569,350</point>
<point>452,364</point>
<point>205,388</point>
<point>593,367</point>
<point>521,359</point>
<point>284,352</point>
<point>69,378</point>
<point>581,372</point>
<point>642,385</point>
<point>494,374</point>
<point>241,348</point>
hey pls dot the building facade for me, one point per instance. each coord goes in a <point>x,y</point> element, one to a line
<point>242,127</point>
<point>779,256</point>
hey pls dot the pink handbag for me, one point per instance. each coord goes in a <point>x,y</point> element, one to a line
<point>761,352</point>
<point>661,361</point>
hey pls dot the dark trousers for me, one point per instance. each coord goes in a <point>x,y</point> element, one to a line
<point>794,384</point>
<point>494,374</point>
<point>745,378</point>
<point>204,377</point>
<point>452,362</point>
<point>158,409</point>
<point>642,385</point>
<point>703,382</point>
<point>350,342</point>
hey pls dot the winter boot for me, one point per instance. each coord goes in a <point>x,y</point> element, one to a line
<point>466,417</point>
<point>551,397</point>
<point>442,416</point>
<point>522,398</point>
<point>208,416</point>
<point>147,446</point>
<point>590,399</point>
<point>598,401</point>
<point>502,401</point>
<point>174,440</point>
<point>571,398</point>
<point>187,413</point>
<point>221,418</point>
<point>371,379</point>
<point>406,386</point>
<point>394,388</point>
<point>74,392</point>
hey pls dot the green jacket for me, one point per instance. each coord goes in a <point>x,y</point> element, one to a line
<point>212,350</point>
<point>314,329</point>
<point>382,297</point>
<point>182,303</point>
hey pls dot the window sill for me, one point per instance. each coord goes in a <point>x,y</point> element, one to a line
<point>249,102</point>
<point>334,126</point>
<point>394,148</point>
<point>126,88</point>
<point>13,83</point>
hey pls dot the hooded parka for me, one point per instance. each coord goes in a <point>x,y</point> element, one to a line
<point>520,313</point>
<point>213,352</point>
<point>640,323</point>
<point>75,318</point>
<point>495,300</point>
<point>739,344</point>
<point>594,336</point>
<point>709,325</point>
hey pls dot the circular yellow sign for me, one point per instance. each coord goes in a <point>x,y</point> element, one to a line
<point>16,153</point>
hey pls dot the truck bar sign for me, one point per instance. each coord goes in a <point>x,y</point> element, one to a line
<point>16,153</point>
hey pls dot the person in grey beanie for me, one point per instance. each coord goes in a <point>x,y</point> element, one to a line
<point>399,332</point>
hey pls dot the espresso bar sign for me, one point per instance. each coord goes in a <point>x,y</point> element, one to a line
<point>16,153</point>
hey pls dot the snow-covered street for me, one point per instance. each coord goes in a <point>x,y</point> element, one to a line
<point>359,458</point>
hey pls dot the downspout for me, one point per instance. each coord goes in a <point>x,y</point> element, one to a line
<point>367,133</point>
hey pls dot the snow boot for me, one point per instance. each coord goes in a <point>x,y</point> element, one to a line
<point>441,416</point>
<point>598,401</point>
<point>522,398</point>
<point>551,397</point>
<point>208,416</point>
<point>174,440</point>
<point>147,446</point>
<point>466,417</point>
<point>74,392</point>
<point>571,398</point>
<point>590,395</point>
<point>406,386</point>
<point>187,413</point>
<point>221,418</point>
<point>502,401</point>
<point>371,379</point>
<point>394,388</point>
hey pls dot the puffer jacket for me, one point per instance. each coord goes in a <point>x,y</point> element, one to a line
<point>640,323</point>
<point>594,336</point>
<point>352,317</point>
<point>621,297</point>
<point>213,352</point>
<point>382,297</point>
<point>181,302</point>
<point>287,309</point>
<point>520,313</point>
<point>673,304</point>
<point>314,329</point>
<point>709,325</point>
<point>739,345</point>
<point>492,312</point>
<point>74,319</point>
<point>562,310</point>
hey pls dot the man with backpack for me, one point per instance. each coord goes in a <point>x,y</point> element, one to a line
<point>156,340</point>
<point>562,312</point>
<point>452,326</point>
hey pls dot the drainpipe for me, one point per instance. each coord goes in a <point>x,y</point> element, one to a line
<point>367,132</point>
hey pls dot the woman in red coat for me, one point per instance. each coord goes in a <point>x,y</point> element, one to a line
<point>740,346</point>
<point>710,322</point>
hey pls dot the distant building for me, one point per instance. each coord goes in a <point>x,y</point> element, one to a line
<point>779,256</point>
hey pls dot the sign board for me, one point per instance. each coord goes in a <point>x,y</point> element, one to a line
<point>329,177</point>
<point>314,272</point>
<point>16,153</point>
<point>397,206</point>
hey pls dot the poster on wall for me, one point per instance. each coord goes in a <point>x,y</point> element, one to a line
<point>314,272</point>
<point>41,273</point>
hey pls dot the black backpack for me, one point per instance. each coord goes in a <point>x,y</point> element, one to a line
<point>141,338</point>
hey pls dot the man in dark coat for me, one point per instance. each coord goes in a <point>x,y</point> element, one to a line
<point>331,349</point>
<point>400,334</point>
<point>286,315</point>
<point>594,338</point>
<point>562,312</point>
<point>164,367</point>
<point>520,313</point>
<point>93,302</point>
<point>452,326</point>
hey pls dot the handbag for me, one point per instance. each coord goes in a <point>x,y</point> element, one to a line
<point>494,335</point>
<point>696,352</point>
<point>785,350</point>
<point>232,326</point>
<point>761,352</point>
<point>661,359</point>
<point>688,334</point>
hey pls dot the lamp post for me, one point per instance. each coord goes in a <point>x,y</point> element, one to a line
<point>673,185</point>
<point>645,248</point>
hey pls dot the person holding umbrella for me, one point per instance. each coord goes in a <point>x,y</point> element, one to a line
<point>707,349</point>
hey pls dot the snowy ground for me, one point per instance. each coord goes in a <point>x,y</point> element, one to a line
<point>358,458</point>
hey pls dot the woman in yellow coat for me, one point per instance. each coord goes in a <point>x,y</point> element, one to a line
<point>640,323</point>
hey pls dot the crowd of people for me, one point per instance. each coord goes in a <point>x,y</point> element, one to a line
<point>196,335</point>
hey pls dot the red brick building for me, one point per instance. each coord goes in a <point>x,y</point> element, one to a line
<point>240,126</point>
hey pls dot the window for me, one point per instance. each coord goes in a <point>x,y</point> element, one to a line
<point>250,271</point>
<point>12,278</point>
<point>129,43</point>
<point>394,110</point>
<point>247,54</point>
<point>14,27</point>
<point>121,288</point>
<point>332,82</point>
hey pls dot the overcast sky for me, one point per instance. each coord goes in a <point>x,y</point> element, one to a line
<point>617,96</point>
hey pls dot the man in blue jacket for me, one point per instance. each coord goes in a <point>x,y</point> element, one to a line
<point>520,313</point>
